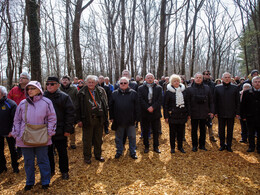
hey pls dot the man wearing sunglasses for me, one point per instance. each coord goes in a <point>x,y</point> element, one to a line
<point>124,112</point>
<point>207,81</point>
<point>65,112</point>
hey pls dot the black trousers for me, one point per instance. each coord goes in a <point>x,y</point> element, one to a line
<point>154,124</point>
<point>11,145</point>
<point>176,130</point>
<point>253,127</point>
<point>201,123</point>
<point>222,123</point>
<point>244,131</point>
<point>61,146</point>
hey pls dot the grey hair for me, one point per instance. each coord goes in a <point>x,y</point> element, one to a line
<point>149,74</point>
<point>127,71</point>
<point>225,73</point>
<point>107,78</point>
<point>124,78</point>
<point>91,77</point>
<point>3,90</point>
<point>26,75</point>
<point>198,73</point>
<point>256,77</point>
<point>247,85</point>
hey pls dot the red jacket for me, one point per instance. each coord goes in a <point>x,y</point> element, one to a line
<point>16,94</point>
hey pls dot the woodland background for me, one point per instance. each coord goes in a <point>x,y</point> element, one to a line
<point>80,37</point>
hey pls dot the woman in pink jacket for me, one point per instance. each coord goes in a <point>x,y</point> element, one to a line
<point>40,111</point>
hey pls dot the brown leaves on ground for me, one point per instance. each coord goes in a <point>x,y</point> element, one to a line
<point>202,172</point>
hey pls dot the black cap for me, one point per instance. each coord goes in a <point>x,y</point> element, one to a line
<point>254,71</point>
<point>56,79</point>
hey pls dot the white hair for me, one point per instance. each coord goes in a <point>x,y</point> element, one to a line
<point>198,73</point>
<point>226,73</point>
<point>247,86</point>
<point>149,74</point>
<point>254,78</point>
<point>124,78</point>
<point>26,75</point>
<point>106,78</point>
<point>91,77</point>
<point>3,90</point>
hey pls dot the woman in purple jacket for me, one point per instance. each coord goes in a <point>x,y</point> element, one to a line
<point>40,110</point>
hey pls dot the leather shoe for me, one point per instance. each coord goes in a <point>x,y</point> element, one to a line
<point>117,156</point>
<point>73,147</point>
<point>203,148</point>
<point>2,170</point>
<point>157,150</point>
<point>28,187</point>
<point>222,148</point>
<point>16,170</point>
<point>100,159</point>
<point>88,161</point>
<point>243,141</point>
<point>172,150</point>
<point>146,150</point>
<point>229,150</point>
<point>250,150</point>
<point>258,151</point>
<point>182,150</point>
<point>45,187</point>
<point>212,139</point>
<point>194,149</point>
<point>133,156</point>
<point>65,176</point>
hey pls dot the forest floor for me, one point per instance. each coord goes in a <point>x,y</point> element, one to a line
<point>202,172</point>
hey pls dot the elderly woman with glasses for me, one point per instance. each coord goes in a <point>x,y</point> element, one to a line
<point>124,112</point>
<point>34,110</point>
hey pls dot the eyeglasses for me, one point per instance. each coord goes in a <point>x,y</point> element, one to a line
<point>123,83</point>
<point>30,89</point>
<point>51,84</point>
<point>23,78</point>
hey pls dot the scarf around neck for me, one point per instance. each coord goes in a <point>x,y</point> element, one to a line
<point>179,95</point>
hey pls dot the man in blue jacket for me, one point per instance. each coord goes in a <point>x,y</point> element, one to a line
<point>7,111</point>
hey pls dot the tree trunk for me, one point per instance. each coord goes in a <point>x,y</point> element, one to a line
<point>67,41</point>
<point>23,43</point>
<point>34,39</point>
<point>162,39</point>
<point>132,37</point>
<point>146,34</point>
<point>123,28</point>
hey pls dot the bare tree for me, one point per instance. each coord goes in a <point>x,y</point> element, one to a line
<point>75,36</point>
<point>34,34</point>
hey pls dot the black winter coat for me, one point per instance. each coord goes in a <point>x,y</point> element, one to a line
<point>200,101</point>
<point>174,114</point>
<point>226,100</point>
<point>124,108</point>
<point>7,111</point>
<point>250,105</point>
<point>211,85</point>
<point>65,113</point>
<point>144,102</point>
<point>132,84</point>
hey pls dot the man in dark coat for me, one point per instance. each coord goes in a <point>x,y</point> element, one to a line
<point>226,101</point>
<point>65,112</point>
<point>250,112</point>
<point>7,111</point>
<point>68,88</point>
<point>132,84</point>
<point>150,100</point>
<point>91,109</point>
<point>200,106</point>
<point>124,112</point>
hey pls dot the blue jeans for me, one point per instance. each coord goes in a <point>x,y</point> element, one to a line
<point>43,162</point>
<point>130,131</point>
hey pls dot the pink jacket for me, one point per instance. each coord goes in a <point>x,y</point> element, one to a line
<point>40,111</point>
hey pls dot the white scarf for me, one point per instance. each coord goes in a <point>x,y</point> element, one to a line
<point>150,92</point>
<point>179,95</point>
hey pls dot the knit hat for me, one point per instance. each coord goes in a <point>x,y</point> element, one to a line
<point>56,79</point>
<point>254,71</point>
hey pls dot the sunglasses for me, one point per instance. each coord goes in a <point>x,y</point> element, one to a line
<point>207,74</point>
<point>123,83</point>
<point>51,84</point>
<point>30,89</point>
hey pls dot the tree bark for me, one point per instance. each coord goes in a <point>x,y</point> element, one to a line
<point>123,29</point>
<point>34,39</point>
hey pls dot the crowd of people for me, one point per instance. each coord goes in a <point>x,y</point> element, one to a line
<point>37,122</point>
